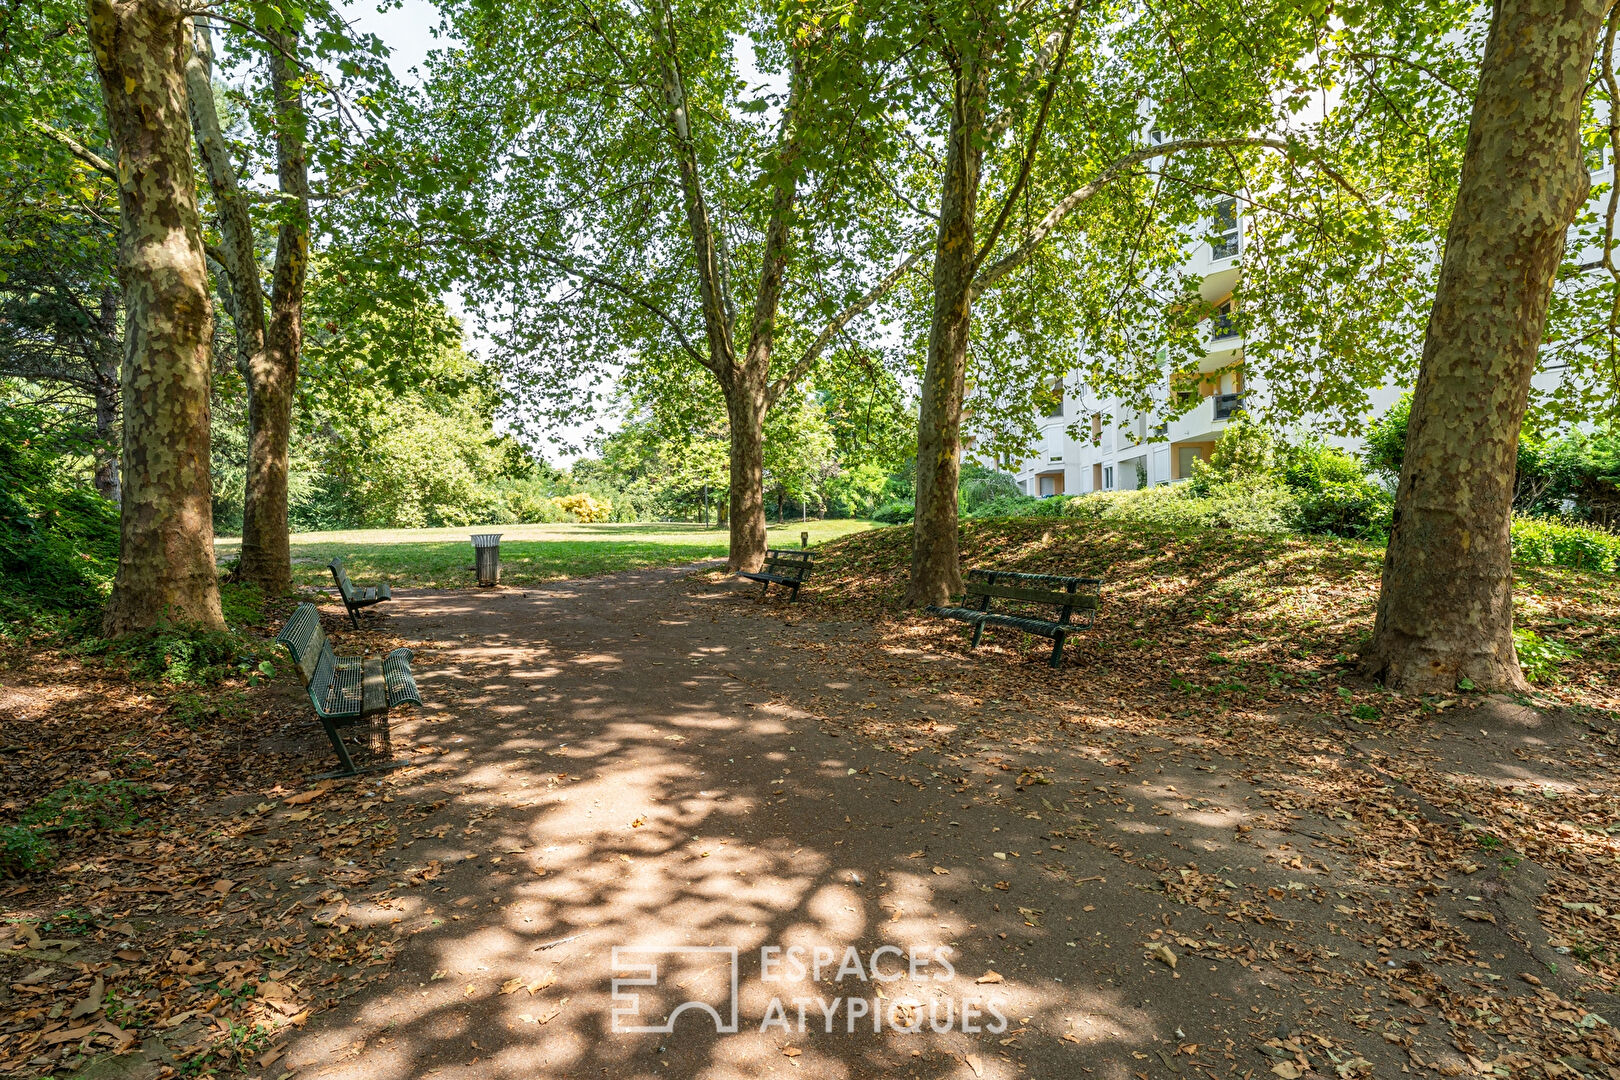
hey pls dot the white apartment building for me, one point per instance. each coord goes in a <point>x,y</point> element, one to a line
<point>1119,448</point>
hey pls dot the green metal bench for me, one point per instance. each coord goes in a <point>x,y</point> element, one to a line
<point>345,691</point>
<point>1067,594</point>
<point>354,599</point>
<point>783,566</point>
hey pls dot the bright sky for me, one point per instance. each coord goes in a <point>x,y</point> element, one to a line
<point>408,32</point>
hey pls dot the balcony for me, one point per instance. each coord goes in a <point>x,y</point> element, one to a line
<point>1226,405</point>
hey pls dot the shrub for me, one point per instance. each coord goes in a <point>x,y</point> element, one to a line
<point>585,507</point>
<point>24,851</point>
<point>1539,657</point>
<point>525,502</point>
<point>897,512</point>
<point>1386,438</point>
<point>79,805</point>
<point>1245,452</point>
<point>980,485</point>
<point>1355,509</point>
<point>182,655</point>
<point>1312,464</point>
<point>58,538</point>
<point>1249,507</point>
<point>1550,542</point>
<point>1261,507</point>
<point>1017,505</point>
<point>1170,506</point>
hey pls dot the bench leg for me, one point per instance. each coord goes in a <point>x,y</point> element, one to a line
<point>795,597</point>
<point>1057,651</point>
<point>342,750</point>
<point>978,635</point>
<point>353,617</point>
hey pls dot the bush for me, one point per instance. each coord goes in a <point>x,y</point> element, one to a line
<point>1386,439</point>
<point>1311,464</point>
<point>181,655</point>
<point>1550,542</point>
<point>980,485</point>
<point>1016,505</point>
<point>1245,453</point>
<point>24,851</point>
<point>584,507</point>
<point>1539,657</point>
<point>1355,509</point>
<point>58,538</point>
<point>1248,507</point>
<point>898,512</point>
<point>79,806</point>
<point>1259,507</point>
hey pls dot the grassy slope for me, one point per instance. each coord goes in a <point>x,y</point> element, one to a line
<point>442,558</point>
<point>1267,603</point>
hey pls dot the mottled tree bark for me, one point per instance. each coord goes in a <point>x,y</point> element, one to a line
<point>166,544</point>
<point>745,409</point>
<point>936,571</point>
<point>106,399</point>
<point>266,550</point>
<point>1445,611</point>
<point>244,298</point>
<point>267,350</point>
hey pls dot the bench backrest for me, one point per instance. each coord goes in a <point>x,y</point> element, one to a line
<point>342,579</point>
<point>1070,594</point>
<point>788,561</point>
<point>311,652</point>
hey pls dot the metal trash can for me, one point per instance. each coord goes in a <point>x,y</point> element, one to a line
<point>487,556</point>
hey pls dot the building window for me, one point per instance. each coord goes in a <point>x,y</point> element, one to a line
<point>1023,487</point>
<point>1185,456</point>
<point>1108,478</point>
<point>1221,326</point>
<point>1224,231</point>
<point>1050,484</point>
<point>1096,427</point>
<point>1054,404</point>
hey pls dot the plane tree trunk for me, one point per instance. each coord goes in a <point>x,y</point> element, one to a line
<point>1445,609</point>
<point>745,409</point>
<point>166,533</point>
<point>106,399</point>
<point>266,547</point>
<point>936,572</point>
<point>268,349</point>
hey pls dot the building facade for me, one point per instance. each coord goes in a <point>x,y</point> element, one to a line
<point>1118,448</point>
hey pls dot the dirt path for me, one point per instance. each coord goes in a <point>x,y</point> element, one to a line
<point>647,761</point>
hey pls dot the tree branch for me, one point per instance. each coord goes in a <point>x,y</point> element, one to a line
<point>630,295</point>
<point>711,289</point>
<point>1034,147</point>
<point>1037,71</point>
<point>810,355</point>
<point>1054,217</point>
<point>77,149</point>
<point>1396,58</point>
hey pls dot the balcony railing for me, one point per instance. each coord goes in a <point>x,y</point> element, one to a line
<point>1222,328</point>
<point>1226,405</point>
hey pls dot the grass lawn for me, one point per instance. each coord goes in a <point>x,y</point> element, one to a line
<point>442,558</point>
